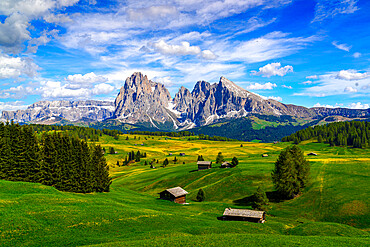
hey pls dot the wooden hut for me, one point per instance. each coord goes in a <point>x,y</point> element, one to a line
<point>226,164</point>
<point>244,215</point>
<point>265,155</point>
<point>177,195</point>
<point>182,154</point>
<point>204,165</point>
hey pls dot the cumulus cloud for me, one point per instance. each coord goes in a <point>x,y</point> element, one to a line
<point>18,92</point>
<point>18,16</point>
<point>272,69</point>
<point>88,78</point>
<point>258,86</point>
<point>13,67</point>
<point>357,55</point>
<point>351,75</point>
<point>12,106</point>
<point>328,106</point>
<point>325,9</point>
<point>289,87</point>
<point>350,90</point>
<point>358,105</point>
<point>277,98</point>
<point>343,47</point>
<point>184,49</point>
<point>102,88</point>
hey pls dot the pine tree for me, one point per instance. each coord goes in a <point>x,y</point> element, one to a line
<point>260,199</point>
<point>200,158</point>
<point>291,173</point>
<point>234,161</point>
<point>219,158</point>
<point>201,195</point>
<point>165,162</point>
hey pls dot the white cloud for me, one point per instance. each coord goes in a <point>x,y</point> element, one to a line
<point>357,55</point>
<point>351,75</point>
<point>308,82</point>
<point>272,69</point>
<point>350,90</point>
<point>311,77</point>
<point>328,8</point>
<point>12,106</point>
<point>339,83</point>
<point>328,106</point>
<point>18,17</point>
<point>13,67</point>
<point>258,86</point>
<point>18,92</point>
<point>358,105</point>
<point>343,47</point>
<point>152,13</point>
<point>277,98</point>
<point>88,78</point>
<point>209,55</point>
<point>270,46</point>
<point>184,49</point>
<point>102,88</point>
<point>289,87</point>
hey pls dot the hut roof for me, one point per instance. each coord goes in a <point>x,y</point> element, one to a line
<point>243,213</point>
<point>312,154</point>
<point>204,162</point>
<point>177,191</point>
<point>226,163</point>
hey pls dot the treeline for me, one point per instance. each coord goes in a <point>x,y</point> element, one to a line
<point>132,156</point>
<point>84,133</point>
<point>181,134</point>
<point>55,159</point>
<point>354,133</point>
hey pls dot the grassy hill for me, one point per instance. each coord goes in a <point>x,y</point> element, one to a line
<point>332,211</point>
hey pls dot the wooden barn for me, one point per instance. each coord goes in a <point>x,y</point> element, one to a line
<point>177,195</point>
<point>226,164</point>
<point>204,165</point>
<point>265,155</point>
<point>244,215</point>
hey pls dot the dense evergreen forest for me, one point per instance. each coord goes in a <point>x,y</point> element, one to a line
<point>84,133</point>
<point>55,159</point>
<point>355,133</point>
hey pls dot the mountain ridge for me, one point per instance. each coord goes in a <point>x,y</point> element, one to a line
<point>141,100</point>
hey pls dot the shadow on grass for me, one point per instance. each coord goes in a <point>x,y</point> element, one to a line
<point>273,196</point>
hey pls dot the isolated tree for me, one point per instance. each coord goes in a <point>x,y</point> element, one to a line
<point>291,173</point>
<point>165,162</point>
<point>117,163</point>
<point>145,163</point>
<point>234,161</point>
<point>241,145</point>
<point>219,158</point>
<point>201,196</point>
<point>126,138</point>
<point>260,199</point>
<point>111,150</point>
<point>175,160</point>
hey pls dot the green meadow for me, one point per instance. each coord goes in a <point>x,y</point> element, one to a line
<point>334,209</point>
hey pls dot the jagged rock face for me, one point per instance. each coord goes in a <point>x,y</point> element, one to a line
<point>69,110</point>
<point>142,100</point>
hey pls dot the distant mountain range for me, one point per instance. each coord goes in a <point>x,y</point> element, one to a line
<point>143,102</point>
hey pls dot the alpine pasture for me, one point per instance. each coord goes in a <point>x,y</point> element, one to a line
<point>333,210</point>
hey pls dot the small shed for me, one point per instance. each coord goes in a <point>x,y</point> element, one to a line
<point>176,194</point>
<point>244,215</point>
<point>226,164</point>
<point>170,154</point>
<point>182,154</point>
<point>265,155</point>
<point>315,154</point>
<point>204,165</point>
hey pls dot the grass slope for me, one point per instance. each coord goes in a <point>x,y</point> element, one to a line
<point>333,211</point>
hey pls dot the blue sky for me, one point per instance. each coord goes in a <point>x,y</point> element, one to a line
<point>310,53</point>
